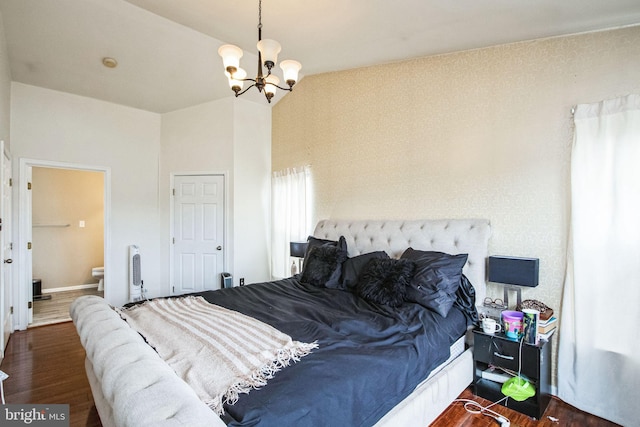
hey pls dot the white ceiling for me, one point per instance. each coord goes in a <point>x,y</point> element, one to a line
<point>167,49</point>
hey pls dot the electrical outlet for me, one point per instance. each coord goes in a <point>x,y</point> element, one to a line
<point>242,281</point>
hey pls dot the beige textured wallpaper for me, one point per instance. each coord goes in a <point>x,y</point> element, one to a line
<point>484,133</point>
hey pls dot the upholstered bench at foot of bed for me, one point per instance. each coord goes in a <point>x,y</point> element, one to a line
<point>131,384</point>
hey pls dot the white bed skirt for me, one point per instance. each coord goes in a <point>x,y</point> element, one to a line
<point>433,396</point>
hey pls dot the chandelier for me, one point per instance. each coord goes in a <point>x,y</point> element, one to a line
<point>267,57</point>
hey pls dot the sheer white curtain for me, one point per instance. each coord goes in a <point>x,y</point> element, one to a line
<point>599,360</point>
<point>291,215</point>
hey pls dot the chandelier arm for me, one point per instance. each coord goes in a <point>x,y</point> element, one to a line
<point>290,88</point>
<point>260,81</point>
<point>240,93</point>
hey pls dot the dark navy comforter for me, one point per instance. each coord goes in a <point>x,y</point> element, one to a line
<point>370,357</point>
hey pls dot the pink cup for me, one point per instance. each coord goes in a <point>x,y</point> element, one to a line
<point>512,324</point>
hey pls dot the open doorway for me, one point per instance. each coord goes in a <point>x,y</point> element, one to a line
<point>23,313</point>
<point>67,257</point>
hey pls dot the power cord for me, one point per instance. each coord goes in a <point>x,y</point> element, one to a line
<point>520,357</point>
<point>474,407</point>
<point>143,291</point>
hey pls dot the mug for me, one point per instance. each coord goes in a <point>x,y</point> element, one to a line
<point>490,326</point>
<point>512,323</point>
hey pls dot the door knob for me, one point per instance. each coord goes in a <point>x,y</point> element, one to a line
<point>8,261</point>
<point>219,248</point>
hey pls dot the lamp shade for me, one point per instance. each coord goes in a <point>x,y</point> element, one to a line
<point>230,56</point>
<point>514,270</point>
<point>236,80</point>
<point>298,249</point>
<point>290,70</point>
<point>269,49</point>
<point>271,82</point>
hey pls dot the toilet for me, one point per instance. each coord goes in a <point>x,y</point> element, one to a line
<point>98,273</point>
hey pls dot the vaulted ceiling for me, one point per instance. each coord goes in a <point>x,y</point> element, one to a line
<point>167,49</point>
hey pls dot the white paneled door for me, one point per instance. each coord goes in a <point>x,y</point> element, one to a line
<point>6,286</point>
<point>198,233</point>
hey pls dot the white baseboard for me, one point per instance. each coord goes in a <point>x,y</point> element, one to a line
<point>69,288</point>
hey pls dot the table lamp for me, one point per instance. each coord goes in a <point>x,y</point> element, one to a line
<point>513,272</point>
<point>297,250</point>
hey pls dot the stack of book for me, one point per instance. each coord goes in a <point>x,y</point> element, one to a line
<point>546,328</point>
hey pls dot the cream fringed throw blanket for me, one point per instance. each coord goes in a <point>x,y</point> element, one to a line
<point>218,352</point>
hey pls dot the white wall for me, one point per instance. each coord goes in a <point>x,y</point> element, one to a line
<point>5,87</point>
<point>252,191</point>
<point>230,136</point>
<point>59,127</point>
<point>197,139</point>
<point>141,150</point>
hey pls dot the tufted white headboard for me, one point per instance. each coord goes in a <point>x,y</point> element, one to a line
<point>453,236</point>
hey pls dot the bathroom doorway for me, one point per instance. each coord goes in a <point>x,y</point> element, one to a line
<point>67,211</point>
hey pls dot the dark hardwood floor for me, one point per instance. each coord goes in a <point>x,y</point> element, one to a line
<point>46,365</point>
<point>558,414</point>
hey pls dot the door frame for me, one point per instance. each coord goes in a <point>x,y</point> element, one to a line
<point>23,314</point>
<point>6,269</point>
<point>226,253</point>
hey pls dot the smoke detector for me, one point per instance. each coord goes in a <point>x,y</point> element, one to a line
<point>109,62</point>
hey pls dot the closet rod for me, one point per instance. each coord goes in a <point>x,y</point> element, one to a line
<point>52,225</point>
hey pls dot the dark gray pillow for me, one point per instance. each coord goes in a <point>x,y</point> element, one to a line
<point>352,268</point>
<point>385,281</point>
<point>322,266</point>
<point>312,242</point>
<point>436,279</point>
<point>466,301</point>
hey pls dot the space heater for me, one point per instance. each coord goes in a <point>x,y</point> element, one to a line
<point>135,276</point>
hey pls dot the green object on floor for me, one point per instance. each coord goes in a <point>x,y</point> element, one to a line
<point>518,389</point>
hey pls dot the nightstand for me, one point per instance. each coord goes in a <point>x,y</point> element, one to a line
<point>499,351</point>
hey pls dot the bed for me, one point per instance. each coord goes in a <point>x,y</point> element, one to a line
<point>133,386</point>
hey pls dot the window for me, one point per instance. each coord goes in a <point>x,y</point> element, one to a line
<point>291,215</point>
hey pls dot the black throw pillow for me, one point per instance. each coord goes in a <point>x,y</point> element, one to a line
<point>385,281</point>
<point>352,268</point>
<point>312,242</point>
<point>322,266</point>
<point>436,280</point>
